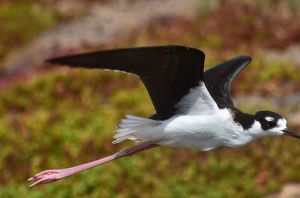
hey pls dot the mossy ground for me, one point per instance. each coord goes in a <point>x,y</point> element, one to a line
<point>65,117</point>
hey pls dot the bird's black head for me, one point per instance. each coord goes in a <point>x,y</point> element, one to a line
<point>273,124</point>
<point>269,120</point>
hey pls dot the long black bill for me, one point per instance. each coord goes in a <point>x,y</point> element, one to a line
<point>291,133</point>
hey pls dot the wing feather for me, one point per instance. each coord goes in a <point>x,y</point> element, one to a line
<point>168,72</point>
<point>218,79</point>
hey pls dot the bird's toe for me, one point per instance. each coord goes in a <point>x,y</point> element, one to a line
<point>45,177</point>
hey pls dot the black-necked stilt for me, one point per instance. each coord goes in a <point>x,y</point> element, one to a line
<point>194,109</point>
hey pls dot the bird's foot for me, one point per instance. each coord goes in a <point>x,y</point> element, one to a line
<point>46,176</point>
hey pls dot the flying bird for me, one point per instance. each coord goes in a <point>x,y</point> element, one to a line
<point>194,109</point>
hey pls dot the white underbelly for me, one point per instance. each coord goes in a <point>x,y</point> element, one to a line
<point>191,142</point>
<point>201,133</point>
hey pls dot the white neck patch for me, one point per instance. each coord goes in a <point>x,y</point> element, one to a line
<point>255,129</point>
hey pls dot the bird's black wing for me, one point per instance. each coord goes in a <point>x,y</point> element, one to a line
<point>218,79</point>
<point>168,72</point>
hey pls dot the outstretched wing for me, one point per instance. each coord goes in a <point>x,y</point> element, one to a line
<point>168,72</point>
<point>218,79</point>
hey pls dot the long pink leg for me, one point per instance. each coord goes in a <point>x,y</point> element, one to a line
<point>48,176</point>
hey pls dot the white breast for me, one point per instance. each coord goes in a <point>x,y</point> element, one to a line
<point>203,132</point>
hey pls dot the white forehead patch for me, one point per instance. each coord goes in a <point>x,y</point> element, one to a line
<point>269,119</point>
<point>281,122</point>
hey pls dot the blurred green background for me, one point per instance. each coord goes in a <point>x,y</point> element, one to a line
<point>58,117</point>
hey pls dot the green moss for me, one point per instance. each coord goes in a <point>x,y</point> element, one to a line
<point>67,119</point>
<point>59,119</point>
<point>262,72</point>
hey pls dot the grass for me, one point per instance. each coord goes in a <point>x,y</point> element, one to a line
<point>65,117</point>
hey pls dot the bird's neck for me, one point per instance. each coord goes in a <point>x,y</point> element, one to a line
<point>244,119</point>
<point>255,130</point>
<point>251,126</point>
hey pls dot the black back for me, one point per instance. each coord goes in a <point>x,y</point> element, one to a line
<point>168,72</point>
<point>218,79</point>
